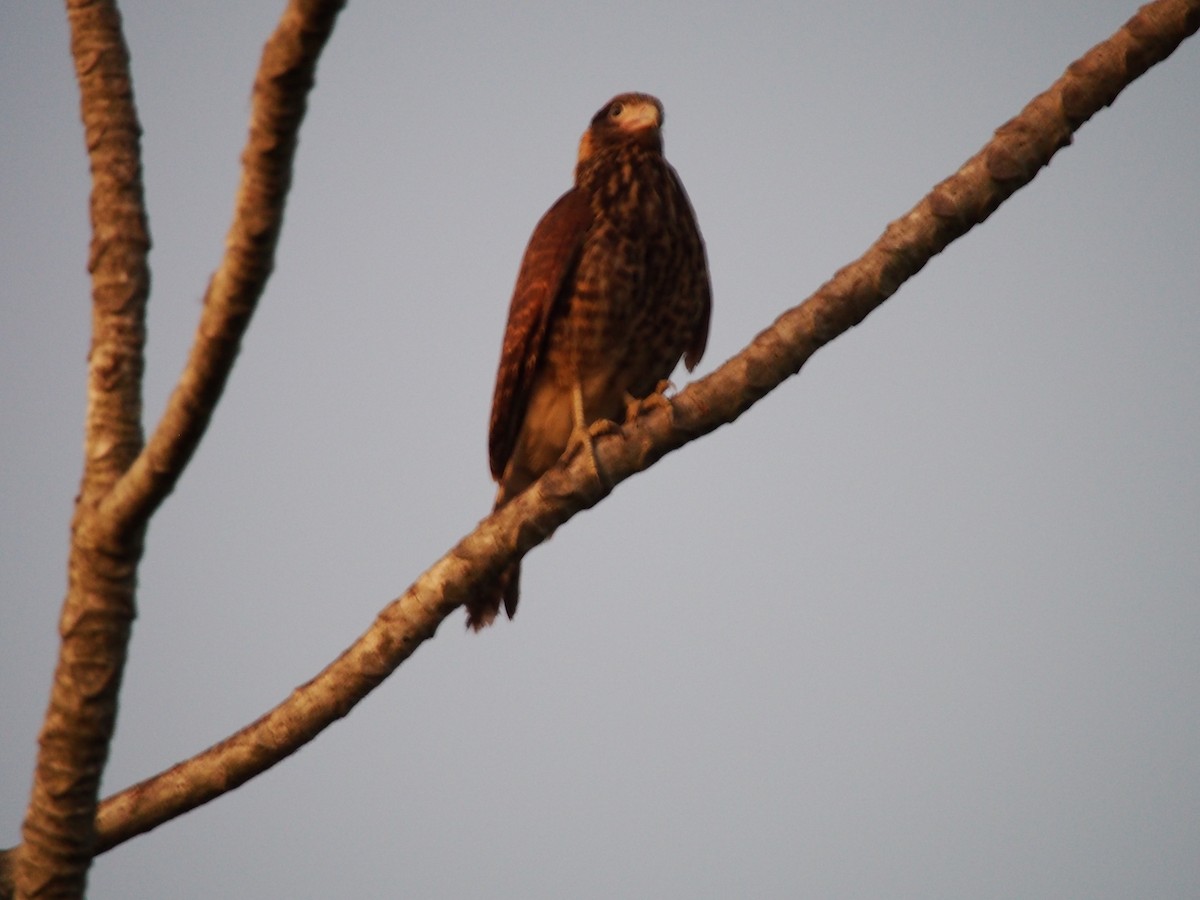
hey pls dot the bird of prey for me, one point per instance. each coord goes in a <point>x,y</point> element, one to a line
<point>613,289</point>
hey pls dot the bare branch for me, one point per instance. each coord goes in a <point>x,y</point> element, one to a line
<point>59,826</point>
<point>285,77</point>
<point>119,247</point>
<point>1010,160</point>
<point>124,481</point>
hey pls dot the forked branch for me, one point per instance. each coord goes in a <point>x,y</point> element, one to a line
<point>124,480</point>
<point>285,77</point>
<point>1019,149</point>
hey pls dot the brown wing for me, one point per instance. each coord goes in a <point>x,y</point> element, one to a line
<point>695,350</point>
<point>699,259</point>
<point>548,264</point>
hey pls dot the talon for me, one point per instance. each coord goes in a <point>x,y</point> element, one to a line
<point>582,435</point>
<point>581,440</point>
<point>640,406</point>
<point>601,427</point>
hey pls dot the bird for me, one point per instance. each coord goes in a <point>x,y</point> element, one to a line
<point>613,289</point>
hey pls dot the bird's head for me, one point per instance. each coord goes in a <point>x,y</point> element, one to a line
<point>625,119</point>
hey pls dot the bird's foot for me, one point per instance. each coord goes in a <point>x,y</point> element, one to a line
<point>583,437</point>
<point>636,407</point>
<point>583,440</point>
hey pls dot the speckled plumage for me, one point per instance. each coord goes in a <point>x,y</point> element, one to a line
<point>612,291</point>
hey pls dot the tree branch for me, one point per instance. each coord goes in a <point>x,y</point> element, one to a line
<point>285,77</point>
<point>124,480</point>
<point>59,828</point>
<point>1010,160</point>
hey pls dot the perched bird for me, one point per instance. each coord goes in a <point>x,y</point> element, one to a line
<point>612,291</point>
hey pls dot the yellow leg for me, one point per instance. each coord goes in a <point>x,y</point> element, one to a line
<point>582,434</point>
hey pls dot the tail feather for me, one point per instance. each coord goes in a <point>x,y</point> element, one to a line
<point>483,608</point>
<point>505,590</point>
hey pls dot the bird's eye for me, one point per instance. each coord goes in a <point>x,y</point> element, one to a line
<point>615,111</point>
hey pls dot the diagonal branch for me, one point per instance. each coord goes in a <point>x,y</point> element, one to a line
<point>1010,160</point>
<point>285,77</point>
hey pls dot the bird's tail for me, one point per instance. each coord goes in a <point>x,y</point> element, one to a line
<point>485,605</point>
<point>504,590</point>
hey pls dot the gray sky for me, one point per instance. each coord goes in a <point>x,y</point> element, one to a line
<point>924,623</point>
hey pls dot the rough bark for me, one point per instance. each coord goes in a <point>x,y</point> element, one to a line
<point>1017,152</point>
<point>125,479</point>
<point>59,829</point>
<point>120,493</point>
